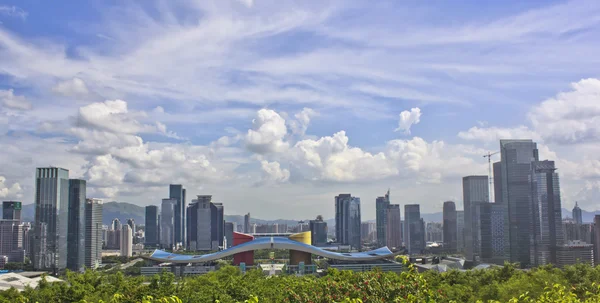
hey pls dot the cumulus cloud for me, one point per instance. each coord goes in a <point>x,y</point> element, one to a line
<point>13,191</point>
<point>300,124</point>
<point>408,119</point>
<point>267,133</point>
<point>494,134</point>
<point>75,87</point>
<point>12,101</point>
<point>273,173</point>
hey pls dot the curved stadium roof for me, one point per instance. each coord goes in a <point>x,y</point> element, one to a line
<point>272,243</point>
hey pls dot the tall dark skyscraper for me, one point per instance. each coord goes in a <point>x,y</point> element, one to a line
<point>229,227</point>
<point>490,243</point>
<point>516,158</point>
<point>49,251</point>
<point>393,232</point>
<point>93,233</point>
<point>596,239</point>
<point>200,216</point>
<point>475,190</point>
<point>449,226</point>
<point>177,192</point>
<point>151,226</point>
<point>247,223</point>
<point>498,182</point>
<point>547,233</point>
<point>347,220</point>
<point>318,231</point>
<point>381,206</point>
<point>11,210</point>
<point>167,222</point>
<point>414,229</point>
<point>131,224</point>
<point>76,235</point>
<point>577,215</point>
<point>217,221</point>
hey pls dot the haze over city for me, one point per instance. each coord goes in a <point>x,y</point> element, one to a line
<point>276,109</point>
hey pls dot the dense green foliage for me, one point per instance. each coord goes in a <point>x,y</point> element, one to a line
<point>227,285</point>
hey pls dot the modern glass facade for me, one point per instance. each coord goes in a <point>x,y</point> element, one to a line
<point>449,226</point>
<point>11,210</point>
<point>577,214</point>
<point>347,220</point>
<point>393,232</point>
<point>151,226</point>
<point>475,190</point>
<point>217,224</point>
<point>93,233</point>
<point>229,234</point>
<point>167,223</point>
<point>76,235</point>
<point>381,206</point>
<point>318,229</point>
<point>414,229</point>
<point>177,192</point>
<point>516,159</point>
<point>49,249</point>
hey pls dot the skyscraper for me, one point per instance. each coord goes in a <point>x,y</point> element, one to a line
<point>393,232</point>
<point>201,223</point>
<point>126,241</point>
<point>516,159</point>
<point>596,239</point>
<point>247,223</point>
<point>381,206</point>
<point>93,233</point>
<point>460,230</point>
<point>347,220</point>
<point>498,182</point>
<point>116,224</point>
<point>449,226</point>
<point>547,235</point>
<point>11,244</point>
<point>577,215</point>
<point>151,226</point>
<point>368,232</point>
<point>318,231</point>
<point>167,221</point>
<point>76,234</point>
<point>177,192</point>
<point>11,210</point>
<point>229,227</point>
<point>414,229</point>
<point>131,224</point>
<point>475,190</point>
<point>51,219</point>
<point>489,232</point>
<point>217,221</point>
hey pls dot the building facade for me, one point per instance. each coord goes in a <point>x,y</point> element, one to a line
<point>460,230</point>
<point>167,223</point>
<point>11,210</point>
<point>596,238</point>
<point>217,227</point>
<point>247,223</point>
<point>11,240</point>
<point>381,207</point>
<point>49,251</point>
<point>516,158</point>
<point>414,229</point>
<point>318,230</point>
<point>347,220</point>
<point>577,214</point>
<point>126,241</point>
<point>200,224</point>
<point>575,252</point>
<point>450,227</point>
<point>93,233</point>
<point>475,191</point>
<point>76,234</point>
<point>151,226</point>
<point>497,182</point>
<point>131,223</point>
<point>229,228</point>
<point>177,193</point>
<point>393,230</point>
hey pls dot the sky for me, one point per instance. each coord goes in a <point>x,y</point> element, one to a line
<point>276,106</point>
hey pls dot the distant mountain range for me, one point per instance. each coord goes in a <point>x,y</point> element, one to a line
<point>124,211</point>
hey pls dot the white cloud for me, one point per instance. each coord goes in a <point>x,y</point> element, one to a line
<point>273,173</point>
<point>408,119</point>
<point>75,87</point>
<point>494,134</point>
<point>300,124</point>
<point>13,191</point>
<point>248,3</point>
<point>12,101</point>
<point>13,11</point>
<point>267,133</point>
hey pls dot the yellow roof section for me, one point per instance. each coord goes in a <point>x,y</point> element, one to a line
<point>303,237</point>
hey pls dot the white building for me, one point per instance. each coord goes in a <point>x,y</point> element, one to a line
<point>126,241</point>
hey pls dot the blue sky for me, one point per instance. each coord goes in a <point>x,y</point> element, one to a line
<point>293,102</point>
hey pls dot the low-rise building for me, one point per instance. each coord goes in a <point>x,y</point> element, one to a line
<point>575,252</point>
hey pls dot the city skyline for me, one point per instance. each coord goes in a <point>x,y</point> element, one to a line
<point>309,104</point>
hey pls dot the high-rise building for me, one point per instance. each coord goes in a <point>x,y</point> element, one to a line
<point>434,232</point>
<point>475,190</point>
<point>116,224</point>
<point>318,231</point>
<point>11,210</point>
<point>368,232</point>
<point>126,241</point>
<point>414,229</point>
<point>177,192</point>
<point>460,230</point>
<point>381,207</point>
<point>596,239</point>
<point>577,215</point>
<point>516,159</point>
<point>93,233</point>
<point>167,221</point>
<point>217,221</point>
<point>347,220</point>
<point>449,226</point>
<point>51,219</point>
<point>131,224</point>
<point>201,223</point>
<point>393,231</point>
<point>11,240</point>
<point>247,223</point>
<point>547,233</point>
<point>76,235</point>
<point>151,226</point>
<point>489,232</point>
<point>577,232</point>
<point>575,252</point>
<point>229,227</point>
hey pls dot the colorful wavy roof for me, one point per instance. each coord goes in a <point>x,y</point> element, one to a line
<point>272,243</point>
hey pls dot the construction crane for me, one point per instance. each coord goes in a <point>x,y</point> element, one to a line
<point>490,178</point>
